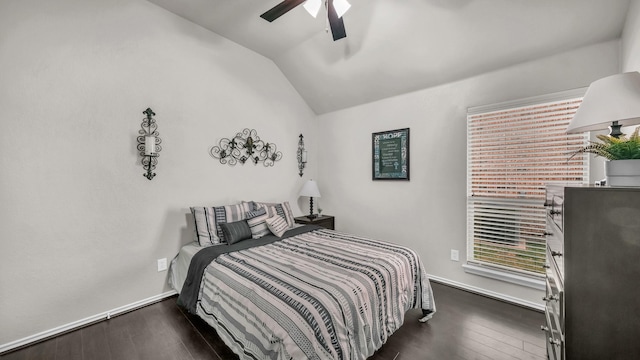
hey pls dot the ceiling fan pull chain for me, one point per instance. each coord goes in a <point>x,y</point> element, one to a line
<point>326,18</point>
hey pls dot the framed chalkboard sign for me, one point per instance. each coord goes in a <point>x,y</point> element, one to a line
<point>390,160</point>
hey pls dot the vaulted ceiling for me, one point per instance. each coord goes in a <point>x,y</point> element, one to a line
<point>398,46</point>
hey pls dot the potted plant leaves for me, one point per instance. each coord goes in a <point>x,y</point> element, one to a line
<point>622,167</point>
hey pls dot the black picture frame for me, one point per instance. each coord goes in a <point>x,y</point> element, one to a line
<point>390,155</point>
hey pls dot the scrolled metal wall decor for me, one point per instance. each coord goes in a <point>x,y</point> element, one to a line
<point>245,146</point>
<point>149,143</point>
<point>302,156</point>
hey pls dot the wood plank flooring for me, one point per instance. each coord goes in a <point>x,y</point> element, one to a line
<point>466,327</point>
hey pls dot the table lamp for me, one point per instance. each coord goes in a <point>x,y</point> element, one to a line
<point>310,189</point>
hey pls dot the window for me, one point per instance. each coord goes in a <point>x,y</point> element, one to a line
<point>513,150</point>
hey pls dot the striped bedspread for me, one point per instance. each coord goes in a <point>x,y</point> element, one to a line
<point>317,295</point>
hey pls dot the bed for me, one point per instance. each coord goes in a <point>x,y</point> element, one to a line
<point>273,289</point>
<point>311,293</point>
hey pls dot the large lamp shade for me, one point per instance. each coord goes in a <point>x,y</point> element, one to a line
<point>611,101</point>
<point>310,189</point>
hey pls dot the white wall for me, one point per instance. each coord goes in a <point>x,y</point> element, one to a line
<point>81,228</point>
<point>428,213</point>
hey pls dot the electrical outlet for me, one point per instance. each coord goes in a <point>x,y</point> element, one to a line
<point>455,255</point>
<point>162,264</point>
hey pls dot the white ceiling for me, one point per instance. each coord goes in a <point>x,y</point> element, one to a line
<point>397,46</point>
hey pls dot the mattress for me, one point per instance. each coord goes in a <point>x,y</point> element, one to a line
<point>180,265</point>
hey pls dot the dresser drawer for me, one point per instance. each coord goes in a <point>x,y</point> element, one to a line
<point>554,340</point>
<point>555,249</point>
<point>555,205</point>
<point>554,304</point>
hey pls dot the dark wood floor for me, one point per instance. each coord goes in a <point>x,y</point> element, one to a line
<point>466,326</point>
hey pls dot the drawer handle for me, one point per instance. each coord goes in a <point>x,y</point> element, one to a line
<point>550,298</point>
<point>544,328</point>
<point>546,233</point>
<point>555,212</point>
<point>545,266</point>
<point>556,253</point>
<point>553,341</point>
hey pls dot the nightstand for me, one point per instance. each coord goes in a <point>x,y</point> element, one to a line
<point>325,221</point>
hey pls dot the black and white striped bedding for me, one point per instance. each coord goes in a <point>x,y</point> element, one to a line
<point>316,295</point>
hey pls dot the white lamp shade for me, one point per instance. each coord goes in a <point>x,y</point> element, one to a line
<point>312,7</point>
<point>310,189</point>
<point>341,7</point>
<point>614,98</point>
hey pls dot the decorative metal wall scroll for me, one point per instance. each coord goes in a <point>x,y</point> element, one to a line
<point>302,156</point>
<point>245,146</point>
<point>149,143</point>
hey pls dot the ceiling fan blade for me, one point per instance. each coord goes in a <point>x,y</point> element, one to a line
<point>337,25</point>
<point>280,9</point>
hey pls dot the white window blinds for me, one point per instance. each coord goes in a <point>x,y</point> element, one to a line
<point>512,153</point>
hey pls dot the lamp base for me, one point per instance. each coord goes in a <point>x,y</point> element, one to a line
<point>615,130</point>
<point>311,216</point>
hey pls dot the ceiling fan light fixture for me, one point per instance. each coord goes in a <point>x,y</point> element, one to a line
<point>335,10</point>
<point>341,6</point>
<point>312,7</point>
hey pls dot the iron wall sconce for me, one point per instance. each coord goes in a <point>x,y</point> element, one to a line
<point>245,146</point>
<point>149,143</point>
<point>302,156</point>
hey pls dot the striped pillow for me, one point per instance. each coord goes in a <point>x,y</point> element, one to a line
<point>255,213</point>
<point>258,224</point>
<point>282,209</point>
<point>207,221</point>
<point>278,225</point>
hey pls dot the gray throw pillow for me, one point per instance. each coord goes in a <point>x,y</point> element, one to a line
<point>236,231</point>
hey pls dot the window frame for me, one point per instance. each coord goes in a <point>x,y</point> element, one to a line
<point>488,218</point>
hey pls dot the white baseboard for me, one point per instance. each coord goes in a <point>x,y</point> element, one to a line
<point>489,293</point>
<point>84,322</point>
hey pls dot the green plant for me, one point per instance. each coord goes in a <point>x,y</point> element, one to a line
<point>622,148</point>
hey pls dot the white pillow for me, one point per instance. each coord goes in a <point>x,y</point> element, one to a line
<point>258,225</point>
<point>278,225</point>
<point>282,209</point>
<point>207,221</point>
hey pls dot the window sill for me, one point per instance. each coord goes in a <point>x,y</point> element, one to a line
<point>521,280</point>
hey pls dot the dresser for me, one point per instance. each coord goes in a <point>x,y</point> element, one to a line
<point>592,273</point>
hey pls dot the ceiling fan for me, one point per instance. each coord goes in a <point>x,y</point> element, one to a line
<point>334,13</point>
